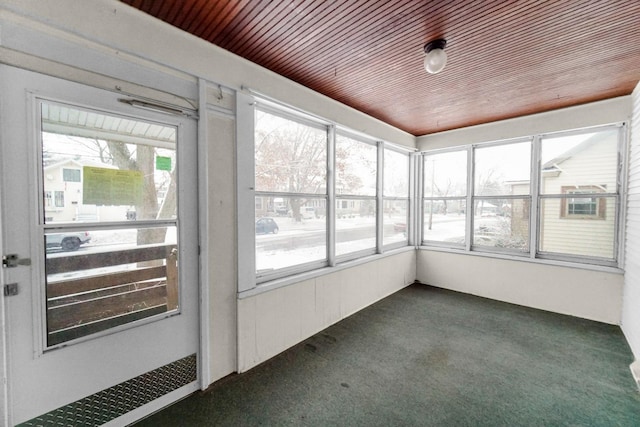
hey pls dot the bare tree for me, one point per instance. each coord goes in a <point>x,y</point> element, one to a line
<point>143,160</point>
<point>292,158</point>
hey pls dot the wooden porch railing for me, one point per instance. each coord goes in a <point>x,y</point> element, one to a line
<point>95,302</point>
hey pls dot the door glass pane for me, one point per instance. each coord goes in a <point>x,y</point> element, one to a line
<point>100,279</point>
<point>100,168</point>
<point>290,156</point>
<point>502,223</point>
<point>355,225</point>
<point>105,168</point>
<point>296,234</point>
<point>502,169</point>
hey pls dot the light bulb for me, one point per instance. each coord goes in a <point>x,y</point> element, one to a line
<point>435,61</point>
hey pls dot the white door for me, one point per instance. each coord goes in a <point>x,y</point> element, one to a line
<point>99,206</point>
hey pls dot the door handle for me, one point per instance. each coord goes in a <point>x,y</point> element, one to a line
<point>12,260</point>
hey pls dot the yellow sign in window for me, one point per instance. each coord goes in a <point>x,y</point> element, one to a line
<point>111,187</point>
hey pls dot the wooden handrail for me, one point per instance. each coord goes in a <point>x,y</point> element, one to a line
<point>77,286</point>
<point>75,262</point>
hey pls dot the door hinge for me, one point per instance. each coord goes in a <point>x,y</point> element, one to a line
<point>10,289</point>
<point>12,260</point>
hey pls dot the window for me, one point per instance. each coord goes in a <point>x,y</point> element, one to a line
<point>583,205</point>
<point>575,188</point>
<point>48,199</point>
<point>53,199</point>
<point>356,180</point>
<point>395,198</point>
<point>445,197</point>
<point>501,192</point>
<point>71,175</point>
<point>291,173</point>
<point>59,199</point>
<point>319,193</point>
<point>579,194</point>
<point>120,189</point>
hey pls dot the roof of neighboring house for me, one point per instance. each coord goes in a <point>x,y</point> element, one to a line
<point>551,165</point>
<point>78,164</point>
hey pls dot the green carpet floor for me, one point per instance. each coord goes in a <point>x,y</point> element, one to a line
<point>430,357</point>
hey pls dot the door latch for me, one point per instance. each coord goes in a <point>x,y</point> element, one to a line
<point>12,260</point>
<point>10,289</point>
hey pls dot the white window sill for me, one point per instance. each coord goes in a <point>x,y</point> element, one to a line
<point>307,275</point>
<point>545,261</point>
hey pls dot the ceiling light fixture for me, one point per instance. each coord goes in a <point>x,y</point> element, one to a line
<point>436,57</point>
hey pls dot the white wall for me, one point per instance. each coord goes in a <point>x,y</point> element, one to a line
<point>631,308</point>
<point>577,292</point>
<point>271,322</point>
<point>220,261</point>
<point>593,114</point>
<point>590,294</point>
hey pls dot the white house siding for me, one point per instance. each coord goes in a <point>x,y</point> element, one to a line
<point>631,306</point>
<point>71,191</point>
<point>595,165</point>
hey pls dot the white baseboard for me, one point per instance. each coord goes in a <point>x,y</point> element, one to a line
<point>635,371</point>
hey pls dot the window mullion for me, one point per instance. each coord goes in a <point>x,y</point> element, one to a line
<point>415,238</point>
<point>245,187</point>
<point>534,213</point>
<point>331,196</point>
<point>379,199</point>
<point>469,202</point>
<point>621,190</point>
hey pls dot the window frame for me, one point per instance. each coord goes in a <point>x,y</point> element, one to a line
<point>535,201</point>
<point>595,193</point>
<point>47,225</point>
<point>384,198</point>
<point>269,274</point>
<point>58,199</point>
<point>471,193</point>
<point>249,280</point>
<point>462,199</point>
<point>66,172</point>
<point>339,131</point>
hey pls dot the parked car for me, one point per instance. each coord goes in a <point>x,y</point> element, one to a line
<point>400,227</point>
<point>266,225</point>
<point>67,241</point>
<point>306,212</point>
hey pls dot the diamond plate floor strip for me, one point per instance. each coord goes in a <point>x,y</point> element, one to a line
<point>106,405</point>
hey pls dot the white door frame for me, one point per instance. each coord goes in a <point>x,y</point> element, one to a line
<point>4,392</point>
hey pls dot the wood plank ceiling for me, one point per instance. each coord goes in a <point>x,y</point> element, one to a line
<point>506,58</point>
